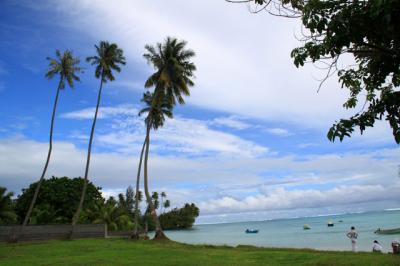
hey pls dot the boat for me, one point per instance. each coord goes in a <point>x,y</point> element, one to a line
<point>340,221</point>
<point>251,231</point>
<point>306,227</point>
<point>387,231</point>
<point>330,224</point>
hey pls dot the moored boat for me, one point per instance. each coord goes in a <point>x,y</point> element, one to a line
<point>251,231</point>
<point>387,231</point>
<point>330,224</point>
<point>306,227</point>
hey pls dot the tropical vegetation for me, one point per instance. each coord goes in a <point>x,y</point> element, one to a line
<point>7,214</point>
<point>58,197</point>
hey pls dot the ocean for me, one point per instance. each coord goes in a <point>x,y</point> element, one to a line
<point>290,233</point>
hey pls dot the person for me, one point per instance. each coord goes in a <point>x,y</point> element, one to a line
<point>353,235</point>
<point>376,247</point>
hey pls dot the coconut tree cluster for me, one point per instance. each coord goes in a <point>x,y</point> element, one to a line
<point>165,88</point>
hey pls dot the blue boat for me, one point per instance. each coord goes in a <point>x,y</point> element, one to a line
<point>251,231</point>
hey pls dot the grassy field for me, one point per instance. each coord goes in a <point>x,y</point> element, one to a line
<point>125,252</point>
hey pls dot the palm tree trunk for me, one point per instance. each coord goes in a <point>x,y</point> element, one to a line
<point>35,195</point>
<point>159,232</point>
<point>85,182</point>
<point>135,234</point>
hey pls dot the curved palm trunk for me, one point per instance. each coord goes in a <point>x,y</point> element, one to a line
<point>35,195</point>
<point>85,182</point>
<point>135,234</point>
<point>159,232</point>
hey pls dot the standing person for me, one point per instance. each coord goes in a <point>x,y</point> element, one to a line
<point>376,247</point>
<point>352,234</point>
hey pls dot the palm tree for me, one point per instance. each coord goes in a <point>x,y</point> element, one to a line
<point>109,58</point>
<point>171,81</point>
<point>163,195</point>
<point>167,204</point>
<point>7,214</point>
<point>112,215</point>
<point>66,67</point>
<point>155,119</point>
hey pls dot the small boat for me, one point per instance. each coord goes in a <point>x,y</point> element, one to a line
<point>306,227</point>
<point>330,224</point>
<point>387,231</point>
<point>251,231</point>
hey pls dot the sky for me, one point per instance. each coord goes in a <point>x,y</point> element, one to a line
<point>250,143</point>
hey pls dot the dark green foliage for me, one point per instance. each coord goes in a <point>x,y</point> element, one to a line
<point>57,200</point>
<point>108,59</point>
<point>113,214</point>
<point>182,218</point>
<point>370,32</point>
<point>65,65</point>
<point>7,214</point>
<point>156,113</point>
<point>127,202</point>
<point>174,70</point>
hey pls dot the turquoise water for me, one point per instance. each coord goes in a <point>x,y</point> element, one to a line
<point>290,233</point>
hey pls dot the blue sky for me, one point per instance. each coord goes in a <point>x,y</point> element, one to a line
<point>249,144</point>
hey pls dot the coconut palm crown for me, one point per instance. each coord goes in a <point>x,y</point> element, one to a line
<point>174,69</point>
<point>156,113</point>
<point>109,57</point>
<point>65,65</point>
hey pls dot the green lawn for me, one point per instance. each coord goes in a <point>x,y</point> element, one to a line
<point>126,252</point>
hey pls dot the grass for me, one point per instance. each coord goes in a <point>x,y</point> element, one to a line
<point>127,252</point>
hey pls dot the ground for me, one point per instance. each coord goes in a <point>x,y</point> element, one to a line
<point>129,252</point>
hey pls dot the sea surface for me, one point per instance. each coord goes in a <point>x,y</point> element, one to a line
<point>290,233</point>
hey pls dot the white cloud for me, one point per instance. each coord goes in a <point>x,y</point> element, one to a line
<point>231,121</point>
<point>182,135</point>
<point>281,199</point>
<point>104,112</point>
<point>278,132</point>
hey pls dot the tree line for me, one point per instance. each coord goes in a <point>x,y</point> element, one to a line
<point>58,197</point>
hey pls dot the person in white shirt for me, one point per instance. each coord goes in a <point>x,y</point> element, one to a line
<point>353,235</point>
<point>376,247</point>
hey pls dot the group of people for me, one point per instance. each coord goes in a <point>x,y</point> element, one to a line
<point>353,235</point>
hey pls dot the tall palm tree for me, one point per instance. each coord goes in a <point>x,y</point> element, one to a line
<point>171,81</point>
<point>155,119</point>
<point>65,66</point>
<point>109,58</point>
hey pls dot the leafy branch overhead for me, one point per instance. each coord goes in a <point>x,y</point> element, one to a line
<point>367,30</point>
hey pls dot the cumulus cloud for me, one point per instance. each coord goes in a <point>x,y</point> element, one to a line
<point>182,135</point>
<point>281,199</point>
